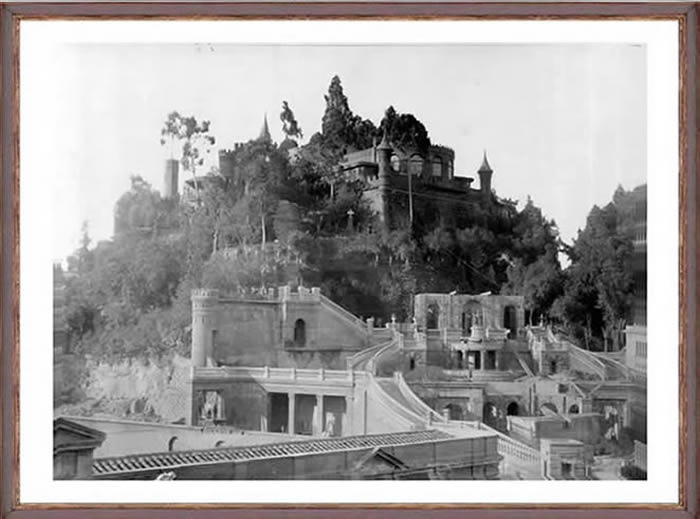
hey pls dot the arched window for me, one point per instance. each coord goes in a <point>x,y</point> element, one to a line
<point>437,167</point>
<point>510,320</point>
<point>300,332</point>
<point>433,317</point>
<point>415,165</point>
<point>552,367</point>
<point>454,411</point>
<point>574,409</point>
<point>395,163</point>
<point>513,409</point>
<point>550,406</point>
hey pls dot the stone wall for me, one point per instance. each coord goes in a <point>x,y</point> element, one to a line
<point>156,390</point>
<point>454,311</point>
<point>292,330</point>
<point>248,334</point>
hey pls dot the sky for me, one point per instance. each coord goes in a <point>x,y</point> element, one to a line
<point>564,124</point>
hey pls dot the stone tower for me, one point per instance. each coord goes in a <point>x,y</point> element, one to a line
<point>485,174</point>
<point>384,172</point>
<point>170,189</point>
<point>204,326</point>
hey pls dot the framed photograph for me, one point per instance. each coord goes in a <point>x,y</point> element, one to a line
<point>349,259</point>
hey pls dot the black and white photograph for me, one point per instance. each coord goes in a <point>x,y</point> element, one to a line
<point>346,260</point>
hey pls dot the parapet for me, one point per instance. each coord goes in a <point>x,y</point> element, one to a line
<point>204,297</point>
<point>301,294</point>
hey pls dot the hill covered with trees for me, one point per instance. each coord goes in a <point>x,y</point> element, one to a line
<point>289,216</point>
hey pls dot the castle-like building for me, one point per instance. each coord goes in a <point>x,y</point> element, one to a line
<point>403,185</point>
<point>409,186</point>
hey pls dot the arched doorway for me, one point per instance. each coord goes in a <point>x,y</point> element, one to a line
<point>300,332</point>
<point>490,413</point>
<point>574,409</point>
<point>453,412</point>
<point>510,320</point>
<point>513,409</point>
<point>549,406</point>
<point>432,317</point>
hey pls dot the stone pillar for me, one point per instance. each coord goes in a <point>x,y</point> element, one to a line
<point>347,429</point>
<point>320,418</point>
<point>204,310</point>
<point>291,413</point>
<point>384,172</point>
<point>170,188</point>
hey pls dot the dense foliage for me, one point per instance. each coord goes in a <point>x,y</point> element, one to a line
<point>288,216</point>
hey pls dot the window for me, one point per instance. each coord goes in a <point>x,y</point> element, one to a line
<point>415,165</point>
<point>433,317</point>
<point>640,349</point>
<point>395,163</point>
<point>437,167</point>
<point>510,320</point>
<point>300,333</point>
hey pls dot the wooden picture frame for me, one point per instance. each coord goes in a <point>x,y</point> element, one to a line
<point>689,197</point>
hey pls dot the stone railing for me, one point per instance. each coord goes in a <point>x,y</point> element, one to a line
<point>342,312</point>
<point>273,374</point>
<point>497,334</point>
<point>640,455</point>
<point>516,452</point>
<point>394,345</point>
<point>416,402</point>
<point>399,413</point>
<point>301,294</point>
<point>360,359</point>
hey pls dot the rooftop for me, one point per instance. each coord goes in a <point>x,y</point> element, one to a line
<point>171,460</point>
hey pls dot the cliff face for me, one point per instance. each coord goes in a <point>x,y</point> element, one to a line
<point>140,389</point>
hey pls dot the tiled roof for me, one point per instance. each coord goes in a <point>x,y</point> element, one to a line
<point>170,460</point>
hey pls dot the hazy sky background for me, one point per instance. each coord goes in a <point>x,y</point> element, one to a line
<point>564,124</point>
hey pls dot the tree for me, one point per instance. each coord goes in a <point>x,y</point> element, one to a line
<point>539,282</point>
<point>599,283</point>
<point>137,209</point>
<point>341,129</point>
<point>195,138</point>
<point>533,266</point>
<point>405,131</point>
<point>290,126</point>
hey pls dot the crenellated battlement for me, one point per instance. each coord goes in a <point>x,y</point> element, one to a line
<point>208,293</point>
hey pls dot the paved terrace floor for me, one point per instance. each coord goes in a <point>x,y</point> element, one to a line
<point>126,437</point>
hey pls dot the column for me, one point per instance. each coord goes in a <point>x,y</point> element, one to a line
<point>320,418</point>
<point>346,427</point>
<point>291,413</point>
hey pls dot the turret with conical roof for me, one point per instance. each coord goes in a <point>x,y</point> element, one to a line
<point>485,174</point>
